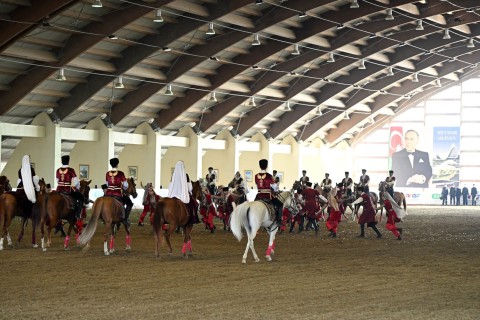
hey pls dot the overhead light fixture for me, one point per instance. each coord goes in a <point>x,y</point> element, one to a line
<point>258,2</point>
<point>362,65</point>
<point>97,4</point>
<point>390,72</point>
<point>158,16</point>
<point>113,37</point>
<point>168,91</point>
<point>119,83</point>
<point>471,44</point>
<point>354,4</point>
<point>345,116</point>
<point>210,30</point>
<point>61,75</point>
<point>302,14</point>
<point>371,120</point>
<point>318,112</point>
<point>419,26</point>
<point>389,16</point>
<point>287,107</point>
<point>213,98</point>
<point>296,50</point>
<point>446,35</point>
<point>438,83</point>
<point>415,77</point>
<point>331,58</point>
<point>150,121</point>
<point>256,40</point>
<point>103,116</point>
<point>251,103</point>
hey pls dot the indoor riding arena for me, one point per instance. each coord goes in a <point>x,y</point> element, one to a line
<point>431,274</point>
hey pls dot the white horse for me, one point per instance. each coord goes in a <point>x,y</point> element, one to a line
<point>253,215</point>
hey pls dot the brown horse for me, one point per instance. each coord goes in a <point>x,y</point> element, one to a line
<point>10,207</point>
<point>175,213</point>
<point>399,197</point>
<point>111,211</point>
<point>4,185</point>
<point>58,207</point>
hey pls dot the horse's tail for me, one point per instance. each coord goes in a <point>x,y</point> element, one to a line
<point>240,218</point>
<point>404,201</point>
<point>159,220</point>
<point>2,213</point>
<point>89,231</point>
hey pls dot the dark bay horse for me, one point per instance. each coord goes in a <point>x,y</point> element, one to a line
<point>11,207</point>
<point>399,197</point>
<point>174,212</point>
<point>111,211</point>
<point>58,207</point>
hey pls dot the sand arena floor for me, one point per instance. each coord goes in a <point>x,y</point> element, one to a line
<point>434,273</point>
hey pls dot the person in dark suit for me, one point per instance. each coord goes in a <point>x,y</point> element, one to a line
<point>465,195</point>
<point>452,195</point>
<point>473,192</point>
<point>444,196</point>
<point>458,193</point>
<point>411,166</point>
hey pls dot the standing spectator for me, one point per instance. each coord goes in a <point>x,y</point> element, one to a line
<point>444,196</point>
<point>458,193</point>
<point>465,195</point>
<point>473,192</point>
<point>452,195</point>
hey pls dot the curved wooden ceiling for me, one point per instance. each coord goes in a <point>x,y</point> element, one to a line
<point>324,68</point>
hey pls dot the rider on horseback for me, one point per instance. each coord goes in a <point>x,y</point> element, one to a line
<point>390,182</point>
<point>181,188</point>
<point>68,183</point>
<point>347,183</point>
<point>27,179</point>
<point>326,183</point>
<point>116,183</point>
<point>264,182</point>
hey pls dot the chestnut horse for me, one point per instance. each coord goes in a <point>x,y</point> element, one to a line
<point>174,212</point>
<point>399,197</point>
<point>110,210</point>
<point>10,207</point>
<point>56,207</point>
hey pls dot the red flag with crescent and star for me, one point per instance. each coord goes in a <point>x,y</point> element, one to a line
<point>396,142</point>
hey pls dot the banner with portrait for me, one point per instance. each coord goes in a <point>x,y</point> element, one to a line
<point>446,156</point>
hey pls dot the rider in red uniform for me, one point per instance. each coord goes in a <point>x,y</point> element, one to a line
<point>208,211</point>
<point>264,182</point>
<point>116,183</point>
<point>149,200</point>
<point>68,183</point>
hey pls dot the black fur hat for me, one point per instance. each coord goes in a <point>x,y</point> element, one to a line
<point>263,164</point>
<point>114,162</point>
<point>65,160</point>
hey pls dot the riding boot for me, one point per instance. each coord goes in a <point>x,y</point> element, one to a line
<point>78,210</point>
<point>362,231</point>
<point>279,216</point>
<point>292,227</point>
<point>379,235</point>
<point>128,209</point>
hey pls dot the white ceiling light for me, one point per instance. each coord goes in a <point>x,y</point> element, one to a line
<point>119,83</point>
<point>419,26</point>
<point>390,72</point>
<point>210,30</point>
<point>213,97</point>
<point>354,4</point>
<point>345,116</point>
<point>415,77</point>
<point>362,65</point>
<point>318,112</point>
<point>97,4</point>
<point>331,58</point>
<point>389,16</point>
<point>446,35</point>
<point>287,107</point>
<point>296,50</point>
<point>256,40</point>
<point>438,83</point>
<point>158,16</point>
<point>471,44</point>
<point>61,75</point>
<point>252,103</point>
<point>168,91</point>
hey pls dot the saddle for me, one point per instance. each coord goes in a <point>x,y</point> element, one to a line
<point>69,199</point>
<point>270,209</point>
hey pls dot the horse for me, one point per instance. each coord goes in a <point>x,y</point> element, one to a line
<point>4,185</point>
<point>174,212</point>
<point>58,207</point>
<point>110,210</point>
<point>357,191</point>
<point>253,215</point>
<point>399,197</point>
<point>10,206</point>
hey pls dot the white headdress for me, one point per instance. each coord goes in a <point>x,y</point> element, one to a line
<point>178,187</point>
<point>398,210</point>
<point>26,173</point>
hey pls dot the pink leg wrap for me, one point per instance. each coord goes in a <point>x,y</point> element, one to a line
<point>269,250</point>
<point>128,240</point>
<point>111,242</point>
<point>273,246</point>
<point>184,248</point>
<point>65,242</point>
<point>189,245</point>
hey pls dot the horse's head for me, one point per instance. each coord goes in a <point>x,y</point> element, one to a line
<point>43,186</point>
<point>197,189</point>
<point>381,186</point>
<point>85,190</point>
<point>5,184</point>
<point>297,186</point>
<point>132,187</point>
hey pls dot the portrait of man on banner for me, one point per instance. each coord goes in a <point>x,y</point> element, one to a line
<point>411,166</point>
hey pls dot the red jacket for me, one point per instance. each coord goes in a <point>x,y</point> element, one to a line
<point>264,180</point>
<point>64,177</point>
<point>115,180</point>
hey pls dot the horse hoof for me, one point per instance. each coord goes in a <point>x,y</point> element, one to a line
<point>257,260</point>
<point>44,249</point>
<point>112,251</point>
<point>244,261</point>
<point>35,246</point>
<point>1,248</point>
<point>66,248</point>
<point>107,253</point>
<point>268,258</point>
<point>128,248</point>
